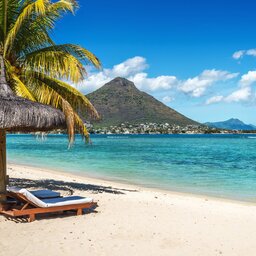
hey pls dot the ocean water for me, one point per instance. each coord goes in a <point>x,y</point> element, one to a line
<point>216,165</point>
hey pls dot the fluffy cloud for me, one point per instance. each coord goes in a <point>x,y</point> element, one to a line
<point>131,69</point>
<point>248,79</point>
<point>214,99</point>
<point>127,68</point>
<point>241,53</point>
<point>242,94</point>
<point>93,82</point>
<point>251,52</point>
<point>167,99</point>
<point>134,69</point>
<point>153,84</point>
<point>197,86</point>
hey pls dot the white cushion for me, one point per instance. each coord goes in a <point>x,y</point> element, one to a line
<point>67,200</point>
<point>53,201</point>
<point>42,194</point>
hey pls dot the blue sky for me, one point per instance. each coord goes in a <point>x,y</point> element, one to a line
<point>180,51</point>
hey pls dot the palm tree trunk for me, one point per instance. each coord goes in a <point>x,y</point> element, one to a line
<point>3,178</point>
<point>4,91</point>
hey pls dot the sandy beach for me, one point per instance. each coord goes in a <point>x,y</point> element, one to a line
<point>130,220</point>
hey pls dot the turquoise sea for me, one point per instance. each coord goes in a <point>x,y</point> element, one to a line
<point>216,165</point>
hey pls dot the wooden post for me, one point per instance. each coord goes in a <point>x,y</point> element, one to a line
<point>2,168</point>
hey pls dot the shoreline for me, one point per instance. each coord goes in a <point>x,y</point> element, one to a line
<point>126,219</point>
<point>126,185</point>
<point>209,176</point>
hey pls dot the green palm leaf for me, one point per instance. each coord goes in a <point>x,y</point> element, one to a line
<point>36,67</point>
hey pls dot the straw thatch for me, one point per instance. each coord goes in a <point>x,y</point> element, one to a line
<point>19,114</point>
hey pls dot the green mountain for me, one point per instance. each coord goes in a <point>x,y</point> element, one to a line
<point>232,124</point>
<point>119,101</point>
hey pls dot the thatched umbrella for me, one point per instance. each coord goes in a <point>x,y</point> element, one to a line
<point>19,114</point>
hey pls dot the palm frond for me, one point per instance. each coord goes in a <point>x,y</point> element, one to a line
<point>37,7</point>
<point>46,95</point>
<point>81,127</point>
<point>56,64</point>
<point>63,6</point>
<point>37,27</point>
<point>36,67</point>
<point>76,99</point>
<point>77,51</point>
<point>19,88</point>
<point>70,119</point>
<point>36,38</point>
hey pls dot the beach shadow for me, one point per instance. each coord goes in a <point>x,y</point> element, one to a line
<point>53,215</point>
<point>65,186</point>
<point>17,219</point>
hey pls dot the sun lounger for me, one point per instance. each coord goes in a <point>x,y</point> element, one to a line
<point>31,205</point>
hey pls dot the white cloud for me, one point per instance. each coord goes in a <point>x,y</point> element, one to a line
<point>197,86</point>
<point>251,52</point>
<point>248,79</point>
<point>134,69</point>
<point>127,68</point>
<point>153,84</point>
<point>131,69</point>
<point>218,75</point>
<point>242,94</point>
<point>240,54</point>
<point>167,99</point>
<point>214,99</point>
<point>93,82</point>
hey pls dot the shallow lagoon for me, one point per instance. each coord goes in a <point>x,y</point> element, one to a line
<point>217,165</point>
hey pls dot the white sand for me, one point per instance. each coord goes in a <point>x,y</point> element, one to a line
<point>147,222</point>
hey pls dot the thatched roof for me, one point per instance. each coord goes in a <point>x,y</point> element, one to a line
<point>19,114</point>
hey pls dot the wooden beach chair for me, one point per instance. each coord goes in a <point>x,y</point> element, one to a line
<point>29,205</point>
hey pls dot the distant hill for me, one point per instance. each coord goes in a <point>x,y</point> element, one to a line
<point>232,124</point>
<point>120,101</point>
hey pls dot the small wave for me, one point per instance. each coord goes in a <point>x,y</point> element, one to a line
<point>117,137</point>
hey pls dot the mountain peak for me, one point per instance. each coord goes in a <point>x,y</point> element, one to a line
<point>120,81</point>
<point>234,120</point>
<point>120,101</point>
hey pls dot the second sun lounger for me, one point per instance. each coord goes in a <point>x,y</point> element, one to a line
<point>31,205</point>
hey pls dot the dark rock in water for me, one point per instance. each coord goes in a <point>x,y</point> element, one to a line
<point>119,101</point>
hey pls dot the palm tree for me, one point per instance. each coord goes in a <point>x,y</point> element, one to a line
<point>36,68</point>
